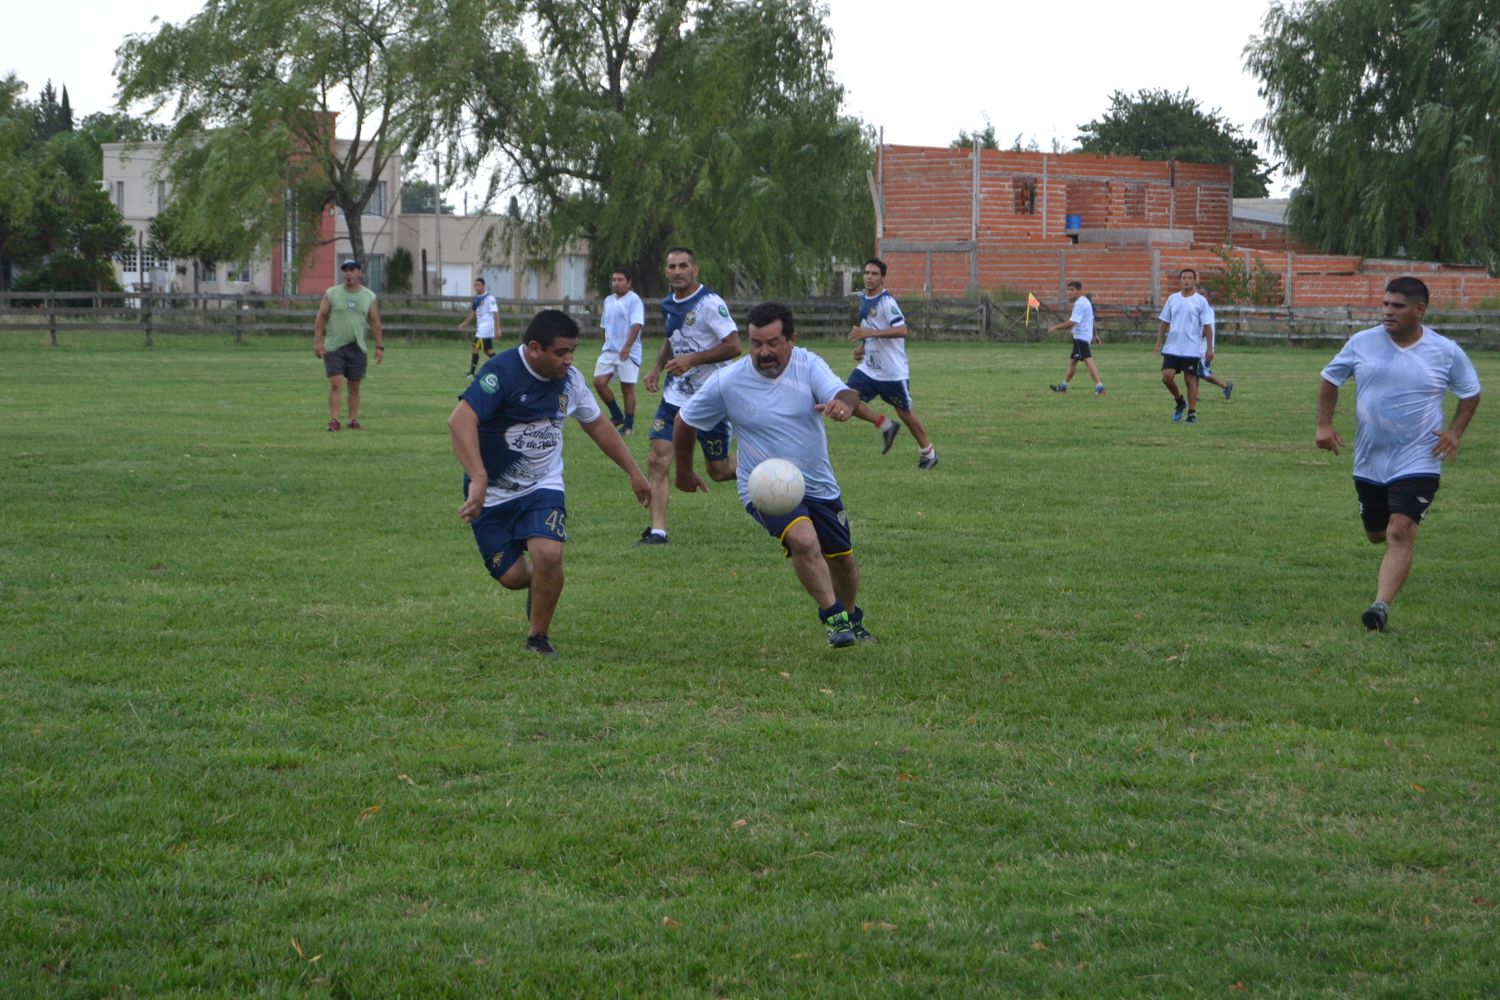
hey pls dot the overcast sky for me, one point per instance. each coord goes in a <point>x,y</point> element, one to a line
<point>920,71</point>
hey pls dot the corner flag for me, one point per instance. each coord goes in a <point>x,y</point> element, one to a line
<point>1031,303</point>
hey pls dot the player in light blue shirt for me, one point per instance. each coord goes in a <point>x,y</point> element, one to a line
<point>1183,341</point>
<point>1402,372</point>
<point>776,398</point>
<point>1081,323</point>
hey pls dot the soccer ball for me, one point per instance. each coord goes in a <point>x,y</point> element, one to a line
<point>776,486</point>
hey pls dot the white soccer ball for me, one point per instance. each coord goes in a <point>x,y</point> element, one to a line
<point>776,486</point>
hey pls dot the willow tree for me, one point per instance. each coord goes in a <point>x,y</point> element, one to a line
<point>1385,114</point>
<point>257,88</point>
<point>639,124</point>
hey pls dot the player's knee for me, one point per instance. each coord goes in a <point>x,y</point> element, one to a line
<point>1401,531</point>
<point>721,472</point>
<point>601,382</point>
<point>657,462</point>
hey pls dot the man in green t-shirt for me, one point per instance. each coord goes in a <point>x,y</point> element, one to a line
<point>347,316</point>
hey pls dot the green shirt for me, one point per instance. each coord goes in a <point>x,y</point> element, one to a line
<point>348,318</point>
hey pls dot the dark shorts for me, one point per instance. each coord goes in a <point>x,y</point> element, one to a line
<point>348,361</point>
<point>1176,362</point>
<point>713,442</point>
<point>1081,351</point>
<point>1411,497</point>
<point>485,344</point>
<point>828,520</point>
<point>501,532</point>
<point>896,394</point>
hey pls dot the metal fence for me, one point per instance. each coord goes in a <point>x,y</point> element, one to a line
<point>150,315</point>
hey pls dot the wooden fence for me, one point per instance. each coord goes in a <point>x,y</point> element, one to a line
<point>150,315</point>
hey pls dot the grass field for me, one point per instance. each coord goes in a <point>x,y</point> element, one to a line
<point>268,729</point>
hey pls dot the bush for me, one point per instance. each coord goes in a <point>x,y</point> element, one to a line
<point>65,272</point>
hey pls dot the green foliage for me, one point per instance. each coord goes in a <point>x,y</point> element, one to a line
<point>985,137</point>
<point>421,196</point>
<point>712,123</point>
<point>1158,125</point>
<point>1235,283</point>
<point>1385,111</point>
<point>66,271</point>
<point>398,271</point>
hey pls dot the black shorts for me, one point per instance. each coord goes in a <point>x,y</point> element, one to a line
<point>1411,497</point>
<point>828,519</point>
<point>348,361</point>
<point>1081,351</point>
<point>1176,362</point>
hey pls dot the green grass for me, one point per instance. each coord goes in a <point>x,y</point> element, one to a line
<point>268,729</point>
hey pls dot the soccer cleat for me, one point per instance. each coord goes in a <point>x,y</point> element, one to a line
<point>1177,410</point>
<point>1192,416</point>
<point>840,631</point>
<point>1228,389</point>
<point>355,425</point>
<point>888,435</point>
<point>1375,616</point>
<point>333,425</point>
<point>1059,387</point>
<point>927,461</point>
<point>1099,389</point>
<point>627,430</point>
<point>649,537</point>
<point>863,634</point>
<point>540,645</point>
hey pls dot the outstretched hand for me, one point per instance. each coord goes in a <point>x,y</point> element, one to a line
<point>835,410</point>
<point>1328,439</point>
<point>688,481</point>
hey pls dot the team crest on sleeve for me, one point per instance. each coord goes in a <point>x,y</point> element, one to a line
<point>490,383</point>
<point>724,311</point>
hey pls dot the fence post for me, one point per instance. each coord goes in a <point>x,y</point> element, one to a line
<point>146,315</point>
<point>239,319</point>
<point>51,321</point>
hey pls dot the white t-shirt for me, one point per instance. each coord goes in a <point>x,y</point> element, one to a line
<point>1185,319</point>
<point>773,418</point>
<point>885,357</point>
<point>1209,320</point>
<point>485,311</point>
<point>1083,319</point>
<point>697,323</point>
<point>1398,401</point>
<point>621,312</point>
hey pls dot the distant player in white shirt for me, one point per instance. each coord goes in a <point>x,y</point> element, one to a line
<point>1402,371</point>
<point>1081,323</point>
<point>1205,372</point>
<point>883,370</point>
<point>701,338</point>
<point>485,312</point>
<point>776,399</point>
<point>1184,339</point>
<point>622,318</point>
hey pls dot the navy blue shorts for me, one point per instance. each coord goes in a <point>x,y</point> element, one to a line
<point>1081,350</point>
<point>828,519</point>
<point>1188,366</point>
<point>896,394</point>
<point>1411,497</point>
<point>714,442</point>
<point>502,531</point>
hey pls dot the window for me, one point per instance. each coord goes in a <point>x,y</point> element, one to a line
<point>207,272</point>
<point>377,200</point>
<point>120,197</point>
<point>374,272</point>
<point>1025,195</point>
<point>574,277</point>
<point>237,272</point>
<point>498,281</point>
<point>148,260</point>
<point>161,195</point>
<point>533,282</point>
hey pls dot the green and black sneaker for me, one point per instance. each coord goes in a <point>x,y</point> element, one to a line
<point>862,634</point>
<point>840,631</point>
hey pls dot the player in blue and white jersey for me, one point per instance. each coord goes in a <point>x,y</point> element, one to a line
<point>701,337</point>
<point>622,319</point>
<point>485,312</point>
<point>1184,339</point>
<point>883,369</point>
<point>1402,372</point>
<point>1081,324</point>
<point>507,432</point>
<point>776,399</point>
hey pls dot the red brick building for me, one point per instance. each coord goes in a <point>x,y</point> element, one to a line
<point>954,221</point>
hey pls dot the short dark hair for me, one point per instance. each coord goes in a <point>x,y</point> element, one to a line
<point>1414,289</point>
<point>547,325</point>
<point>1188,270</point>
<point>691,256</point>
<point>878,263</point>
<point>769,312</point>
<point>625,271</point>
<point>1076,284</point>
<point>480,281</point>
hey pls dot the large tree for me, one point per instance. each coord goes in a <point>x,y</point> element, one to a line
<point>1158,125</point>
<point>255,89</point>
<point>640,124</point>
<point>1386,114</point>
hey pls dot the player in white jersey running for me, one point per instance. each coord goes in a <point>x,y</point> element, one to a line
<point>622,319</point>
<point>485,312</point>
<point>701,338</point>
<point>777,399</point>
<point>1402,371</point>
<point>883,369</point>
<point>1184,339</point>
<point>1081,323</point>
<point>1205,371</point>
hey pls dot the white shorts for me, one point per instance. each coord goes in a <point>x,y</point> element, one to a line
<point>610,363</point>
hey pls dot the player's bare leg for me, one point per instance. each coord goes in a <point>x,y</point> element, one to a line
<point>627,390</point>
<point>658,464</point>
<point>353,399</point>
<point>843,571</point>
<point>546,582</point>
<point>1400,537</point>
<point>915,426</point>
<point>335,396</point>
<point>1093,371</point>
<point>808,563</point>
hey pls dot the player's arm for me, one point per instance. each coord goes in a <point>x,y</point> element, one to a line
<point>1447,438</point>
<point>890,333</point>
<point>1328,399</point>
<point>684,437</point>
<point>465,321</point>
<point>377,331</point>
<point>609,441</point>
<point>1066,324</point>
<point>630,339</point>
<point>320,326</point>
<point>841,406</point>
<point>653,377</point>
<point>1161,335</point>
<point>725,350</point>
<point>1208,342</point>
<point>463,429</point>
